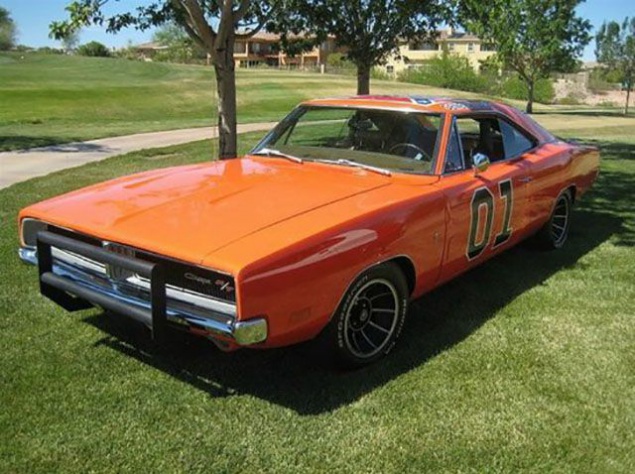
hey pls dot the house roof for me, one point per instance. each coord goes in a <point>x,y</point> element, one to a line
<point>151,46</point>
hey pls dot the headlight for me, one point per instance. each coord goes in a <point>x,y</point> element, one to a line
<point>30,228</point>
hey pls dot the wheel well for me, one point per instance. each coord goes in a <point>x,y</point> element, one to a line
<point>571,190</point>
<point>408,269</point>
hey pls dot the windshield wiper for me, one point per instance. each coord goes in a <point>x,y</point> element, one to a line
<point>272,152</point>
<point>355,164</point>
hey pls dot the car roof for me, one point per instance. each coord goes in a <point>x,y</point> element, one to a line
<point>408,103</point>
<point>432,104</point>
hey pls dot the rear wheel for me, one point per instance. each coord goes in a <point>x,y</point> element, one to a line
<point>555,232</point>
<point>366,325</point>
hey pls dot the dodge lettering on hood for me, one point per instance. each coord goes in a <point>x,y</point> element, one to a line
<point>345,212</point>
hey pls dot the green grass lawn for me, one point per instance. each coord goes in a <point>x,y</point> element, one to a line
<point>525,364</point>
<point>48,99</point>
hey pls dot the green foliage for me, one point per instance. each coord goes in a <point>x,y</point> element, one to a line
<point>570,99</point>
<point>49,50</point>
<point>180,48</point>
<point>369,30</point>
<point>615,47</point>
<point>94,49</point>
<point>213,26</point>
<point>532,37</point>
<point>453,71</point>
<point>380,74</point>
<point>339,61</point>
<point>7,30</point>
<point>70,41</point>
<point>604,79</point>
<point>450,71</point>
<point>515,88</point>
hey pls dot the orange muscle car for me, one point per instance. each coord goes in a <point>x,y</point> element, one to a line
<point>347,210</point>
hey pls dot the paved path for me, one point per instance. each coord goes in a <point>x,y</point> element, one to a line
<point>16,166</point>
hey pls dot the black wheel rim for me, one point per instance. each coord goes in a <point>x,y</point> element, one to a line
<point>371,318</point>
<point>560,221</point>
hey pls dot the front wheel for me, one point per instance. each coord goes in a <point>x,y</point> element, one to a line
<point>368,321</point>
<point>554,233</point>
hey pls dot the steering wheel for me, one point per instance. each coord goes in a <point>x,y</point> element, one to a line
<point>406,145</point>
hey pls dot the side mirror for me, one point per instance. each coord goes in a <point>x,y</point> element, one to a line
<point>480,163</point>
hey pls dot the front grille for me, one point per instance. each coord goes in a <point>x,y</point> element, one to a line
<point>178,274</point>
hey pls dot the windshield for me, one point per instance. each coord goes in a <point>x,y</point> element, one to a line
<point>403,142</point>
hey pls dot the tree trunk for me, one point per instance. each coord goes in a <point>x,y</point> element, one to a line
<point>363,79</point>
<point>629,86</point>
<point>530,97</point>
<point>226,86</point>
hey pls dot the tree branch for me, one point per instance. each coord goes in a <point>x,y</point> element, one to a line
<point>226,22</point>
<point>258,28</point>
<point>199,23</point>
<point>241,11</point>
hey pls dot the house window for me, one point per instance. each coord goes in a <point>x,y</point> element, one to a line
<point>390,69</point>
<point>488,47</point>
<point>470,47</point>
<point>423,46</point>
<point>451,46</point>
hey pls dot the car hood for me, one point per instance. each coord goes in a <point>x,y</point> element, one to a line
<point>188,212</point>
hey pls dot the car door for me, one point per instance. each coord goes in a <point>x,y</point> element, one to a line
<point>486,210</point>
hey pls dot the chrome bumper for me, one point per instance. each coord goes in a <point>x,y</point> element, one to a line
<point>76,271</point>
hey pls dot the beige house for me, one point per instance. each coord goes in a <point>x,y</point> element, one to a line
<point>147,51</point>
<point>414,53</point>
<point>263,49</point>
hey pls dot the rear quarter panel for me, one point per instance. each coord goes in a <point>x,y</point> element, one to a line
<point>556,167</point>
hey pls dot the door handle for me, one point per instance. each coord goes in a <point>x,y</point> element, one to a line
<point>526,179</point>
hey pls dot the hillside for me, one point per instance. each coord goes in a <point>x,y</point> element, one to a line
<point>47,99</point>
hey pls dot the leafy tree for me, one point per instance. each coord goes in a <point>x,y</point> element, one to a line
<point>369,30</point>
<point>8,30</point>
<point>171,34</point>
<point>180,47</point>
<point>94,49</point>
<point>213,25</point>
<point>532,37</point>
<point>70,42</point>
<point>615,47</point>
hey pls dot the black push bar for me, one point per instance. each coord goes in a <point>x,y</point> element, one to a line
<point>74,296</point>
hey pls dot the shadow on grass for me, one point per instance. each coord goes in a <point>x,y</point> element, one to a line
<point>294,378</point>
<point>588,113</point>
<point>611,150</point>
<point>19,142</point>
<point>23,144</point>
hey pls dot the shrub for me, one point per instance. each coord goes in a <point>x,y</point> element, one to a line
<point>607,103</point>
<point>515,88</point>
<point>570,99</point>
<point>94,49</point>
<point>602,80</point>
<point>449,71</point>
<point>49,50</point>
<point>380,73</point>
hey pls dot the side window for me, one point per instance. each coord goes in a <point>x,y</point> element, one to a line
<point>515,143</point>
<point>454,157</point>
<point>494,137</point>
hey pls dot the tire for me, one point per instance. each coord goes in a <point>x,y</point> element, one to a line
<point>555,232</point>
<point>369,319</point>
